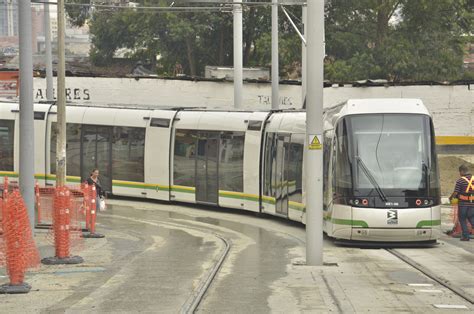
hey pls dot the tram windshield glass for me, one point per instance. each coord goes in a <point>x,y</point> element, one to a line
<point>392,155</point>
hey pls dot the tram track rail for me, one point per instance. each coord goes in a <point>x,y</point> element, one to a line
<point>198,294</point>
<point>442,281</point>
<point>193,302</point>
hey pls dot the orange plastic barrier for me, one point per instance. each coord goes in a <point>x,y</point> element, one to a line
<point>66,232</point>
<point>457,231</point>
<point>20,252</point>
<point>3,200</point>
<point>90,201</point>
<point>44,198</point>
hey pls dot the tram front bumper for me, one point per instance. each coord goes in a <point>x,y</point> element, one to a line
<point>396,235</point>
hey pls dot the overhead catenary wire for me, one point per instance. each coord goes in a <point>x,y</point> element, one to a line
<point>218,6</point>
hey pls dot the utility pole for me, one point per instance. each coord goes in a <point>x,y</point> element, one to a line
<point>61,103</point>
<point>275,59</point>
<point>314,131</point>
<point>27,132</point>
<point>304,57</point>
<point>48,53</point>
<point>10,22</point>
<point>238,56</point>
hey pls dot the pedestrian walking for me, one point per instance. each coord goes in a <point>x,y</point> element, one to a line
<point>464,192</point>
<point>94,180</point>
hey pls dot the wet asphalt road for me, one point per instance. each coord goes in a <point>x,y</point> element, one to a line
<point>159,258</point>
<point>156,256</point>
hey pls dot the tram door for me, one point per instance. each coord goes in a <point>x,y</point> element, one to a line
<point>96,148</point>
<point>281,174</point>
<point>207,160</point>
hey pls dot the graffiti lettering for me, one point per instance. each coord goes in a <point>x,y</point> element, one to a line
<point>71,94</point>
<point>285,101</point>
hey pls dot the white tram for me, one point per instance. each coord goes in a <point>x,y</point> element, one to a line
<point>380,168</point>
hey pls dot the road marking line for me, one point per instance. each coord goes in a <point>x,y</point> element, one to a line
<point>420,285</point>
<point>450,306</point>
<point>430,291</point>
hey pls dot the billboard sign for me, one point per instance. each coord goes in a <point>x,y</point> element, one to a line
<point>9,83</point>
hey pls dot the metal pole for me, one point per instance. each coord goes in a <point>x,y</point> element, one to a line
<point>238,56</point>
<point>48,53</point>
<point>27,132</point>
<point>10,22</point>
<point>293,24</point>
<point>275,60</point>
<point>304,59</point>
<point>61,103</point>
<point>314,131</point>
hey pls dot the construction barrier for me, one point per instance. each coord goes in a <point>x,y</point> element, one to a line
<point>456,232</point>
<point>90,194</point>
<point>83,210</point>
<point>18,248</point>
<point>44,203</point>
<point>66,232</point>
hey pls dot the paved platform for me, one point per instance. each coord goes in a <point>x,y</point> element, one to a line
<point>156,256</point>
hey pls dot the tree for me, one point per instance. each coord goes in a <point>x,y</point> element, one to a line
<point>392,39</point>
<point>396,40</point>
<point>191,39</point>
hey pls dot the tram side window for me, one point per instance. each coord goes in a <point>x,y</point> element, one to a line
<point>7,129</point>
<point>73,149</point>
<point>295,168</point>
<point>128,154</point>
<point>326,171</point>
<point>270,156</point>
<point>231,161</point>
<point>184,157</point>
<point>343,166</point>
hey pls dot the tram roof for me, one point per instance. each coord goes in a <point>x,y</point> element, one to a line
<point>383,105</point>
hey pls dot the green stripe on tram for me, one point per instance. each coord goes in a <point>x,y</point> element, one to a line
<point>10,174</point>
<point>428,223</point>
<point>140,185</point>
<point>348,222</point>
<point>238,195</point>
<point>183,189</point>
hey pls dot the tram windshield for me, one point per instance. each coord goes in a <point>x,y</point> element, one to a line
<point>392,155</point>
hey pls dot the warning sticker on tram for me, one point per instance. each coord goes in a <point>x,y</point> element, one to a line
<point>315,142</point>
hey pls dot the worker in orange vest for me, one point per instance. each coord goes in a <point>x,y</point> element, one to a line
<point>464,192</point>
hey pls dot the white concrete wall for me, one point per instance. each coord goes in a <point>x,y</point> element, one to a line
<point>452,106</point>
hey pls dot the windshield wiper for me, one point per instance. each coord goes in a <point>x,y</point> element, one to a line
<point>427,176</point>
<point>371,179</point>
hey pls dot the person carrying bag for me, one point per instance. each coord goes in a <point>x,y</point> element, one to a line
<point>100,198</point>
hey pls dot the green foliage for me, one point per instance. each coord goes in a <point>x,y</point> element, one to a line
<point>397,40</point>
<point>392,39</point>
<point>78,15</point>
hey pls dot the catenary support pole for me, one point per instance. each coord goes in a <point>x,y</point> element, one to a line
<point>61,103</point>
<point>238,56</point>
<point>48,53</point>
<point>314,131</point>
<point>304,59</point>
<point>27,144</point>
<point>275,59</point>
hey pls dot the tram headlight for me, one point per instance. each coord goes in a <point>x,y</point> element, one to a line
<point>424,202</point>
<point>359,202</point>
